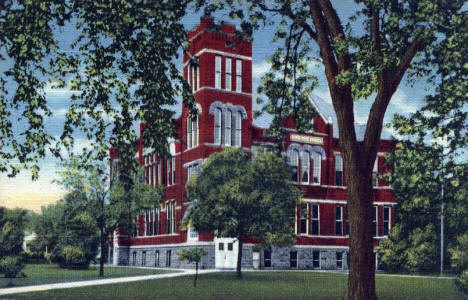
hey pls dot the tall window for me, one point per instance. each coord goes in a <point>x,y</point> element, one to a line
<point>338,170</point>
<point>159,171</point>
<point>293,259</point>
<point>238,140</point>
<point>227,128</point>
<point>338,220</point>
<point>304,217</point>
<point>217,127</point>
<point>156,258</point>
<point>198,77</point>
<point>134,257</point>
<point>192,132</point>
<point>168,171</point>
<point>218,72</point>
<point>156,221</point>
<point>305,167</point>
<point>347,221</point>
<point>170,217</point>
<point>317,158</point>
<point>315,219</point>
<point>374,221</point>
<point>143,258</point>
<point>189,76</point>
<point>267,258</point>
<point>386,220</point>
<point>192,79</point>
<point>228,74</point>
<point>339,260</point>
<point>173,169</point>
<point>192,171</point>
<point>316,259</point>
<point>375,169</point>
<point>155,171</point>
<point>168,258</point>
<point>239,76</point>
<point>293,164</point>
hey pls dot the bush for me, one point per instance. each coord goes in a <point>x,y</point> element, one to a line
<point>11,267</point>
<point>459,257</point>
<point>73,257</point>
<point>33,257</point>
<point>423,250</point>
<point>392,251</point>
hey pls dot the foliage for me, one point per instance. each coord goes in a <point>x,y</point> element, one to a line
<point>73,256</point>
<point>230,188</point>
<point>193,255</point>
<point>12,224</point>
<point>11,267</point>
<point>422,251</point>
<point>459,256</point>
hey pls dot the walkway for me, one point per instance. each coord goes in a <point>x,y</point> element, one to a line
<point>75,284</point>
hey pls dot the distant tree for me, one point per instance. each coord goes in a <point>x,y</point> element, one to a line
<point>46,225</point>
<point>231,187</point>
<point>459,256</point>
<point>90,179</point>
<point>193,255</point>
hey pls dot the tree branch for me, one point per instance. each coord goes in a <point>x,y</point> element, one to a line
<point>309,30</point>
<point>406,59</point>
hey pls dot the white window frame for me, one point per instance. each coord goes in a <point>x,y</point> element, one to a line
<point>312,219</point>
<point>218,115</point>
<point>198,76</point>
<point>159,171</point>
<point>239,76</point>
<point>238,139</point>
<point>340,220</point>
<point>218,72</point>
<point>375,223</point>
<point>375,172</point>
<point>339,260</point>
<point>338,168</point>
<point>227,127</point>
<point>304,218</point>
<point>389,224</point>
<point>194,131</point>
<point>319,263</point>
<point>168,171</point>
<point>305,166</point>
<point>189,132</point>
<point>173,169</point>
<point>228,74</point>
<point>294,164</point>
<point>317,168</point>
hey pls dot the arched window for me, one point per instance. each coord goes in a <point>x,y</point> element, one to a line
<point>227,131</point>
<point>192,132</point>
<point>293,164</point>
<point>189,133</point>
<point>217,127</point>
<point>305,167</point>
<point>238,141</point>
<point>317,158</point>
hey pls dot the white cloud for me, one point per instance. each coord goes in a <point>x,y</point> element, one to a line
<point>258,70</point>
<point>401,101</point>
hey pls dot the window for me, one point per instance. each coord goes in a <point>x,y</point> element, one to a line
<point>338,220</point>
<point>375,169</point>
<point>227,127</point>
<point>338,170</point>
<point>316,259</point>
<point>238,139</point>
<point>386,220</point>
<point>374,221</point>
<point>134,258</point>
<point>218,72</point>
<point>192,132</point>
<point>317,167</point>
<point>143,258</point>
<point>239,76</point>
<point>267,258</point>
<point>230,246</point>
<point>198,77</point>
<point>192,171</point>
<point>193,234</point>
<point>173,170</point>
<point>192,81</point>
<point>157,221</point>
<point>293,164</point>
<point>228,84</point>
<point>159,171</point>
<point>305,167</point>
<point>293,259</point>
<point>168,258</point>
<point>170,217</point>
<point>156,258</point>
<point>155,171</point>
<point>347,222</point>
<point>189,78</point>
<point>217,127</point>
<point>304,215</point>
<point>315,227</point>
<point>339,260</point>
<point>148,222</point>
<point>168,174</point>
<point>221,246</point>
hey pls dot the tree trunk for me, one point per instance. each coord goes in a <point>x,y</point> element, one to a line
<point>361,281</point>
<point>101,259</point>
<point>239,258</point>
<point>196,275</point>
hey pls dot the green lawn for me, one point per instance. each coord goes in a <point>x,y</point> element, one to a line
<point>45,273</point>
<point>259,285</point>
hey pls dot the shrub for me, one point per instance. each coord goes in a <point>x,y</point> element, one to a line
<point>11,267</point>
<point>422,251</point>
<point>459,257</point>
<point>73,257</point>
<point>392,251</point>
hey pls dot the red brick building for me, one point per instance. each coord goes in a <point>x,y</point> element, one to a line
<point>218,67</point>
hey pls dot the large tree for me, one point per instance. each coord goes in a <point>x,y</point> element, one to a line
<point>231,187</point>
<point>106,209</point>
<point>366,56</point>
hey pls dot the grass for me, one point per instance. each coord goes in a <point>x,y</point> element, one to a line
<point>46,273</point>
<point>259,285</point>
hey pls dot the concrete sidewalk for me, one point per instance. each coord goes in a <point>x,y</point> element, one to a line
<point>75,284</point>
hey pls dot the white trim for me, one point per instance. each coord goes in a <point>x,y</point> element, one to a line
<point>321,247</point>
<point>310,132</point>
<point>330,201</point>
<point>327,121</point>
<point>218,52</point>
<point>193,162</point>
<point>222,90</point>
<point>172,245</point>
<point>152,236</point>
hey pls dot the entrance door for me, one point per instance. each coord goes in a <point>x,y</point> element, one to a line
<point>226,253</point>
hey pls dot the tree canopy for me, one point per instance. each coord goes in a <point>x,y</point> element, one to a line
<point>230,187</point>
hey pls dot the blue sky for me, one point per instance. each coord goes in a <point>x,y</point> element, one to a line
<point>22,192</point>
